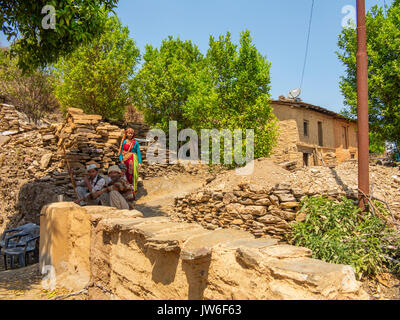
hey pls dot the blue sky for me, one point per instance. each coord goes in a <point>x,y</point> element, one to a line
<point>279,31</point>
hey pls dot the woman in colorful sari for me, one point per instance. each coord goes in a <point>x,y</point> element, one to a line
<point>130,156</point>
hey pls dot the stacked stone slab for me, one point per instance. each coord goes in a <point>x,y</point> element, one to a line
<point>86,138</point>
<point>12,121</point>
<point>261,211</point>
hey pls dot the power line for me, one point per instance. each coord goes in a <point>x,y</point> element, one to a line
<point>307,45</point>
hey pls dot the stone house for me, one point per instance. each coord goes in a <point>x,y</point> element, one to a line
<point>312,135</point>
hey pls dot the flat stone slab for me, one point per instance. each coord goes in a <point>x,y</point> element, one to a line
<point>98,213</point>
<point>252,243</point>
<point>173,238</point>
<point>324,277</point>
<point>286,251</point>
<point>99,209</point>
<point>122,224</point>
<point>146,226</point>
<point>4,140</point>
<point>181,234</point>
<point>130,213</point>
<point>149,230</point>
<point>201,245</point>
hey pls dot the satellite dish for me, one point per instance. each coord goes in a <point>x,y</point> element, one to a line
<point>293,94</point>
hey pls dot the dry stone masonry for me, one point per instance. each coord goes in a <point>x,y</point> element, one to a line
<point>265,210</point>
<point>261,211</point>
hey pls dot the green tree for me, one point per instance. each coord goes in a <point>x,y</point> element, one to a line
<point>232,92</point>
<point>31,94</point>
<point>383,46</point>
<point>77,21</point>
<point>95,76</point>
<point>227,89</point>
<point>164,83</point>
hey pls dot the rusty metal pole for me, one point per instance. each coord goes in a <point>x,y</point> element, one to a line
<point>362,103</point>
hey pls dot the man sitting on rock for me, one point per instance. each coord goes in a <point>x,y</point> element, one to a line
<point>87,188</point>
<point>123,169</point>
<point>119,190</point>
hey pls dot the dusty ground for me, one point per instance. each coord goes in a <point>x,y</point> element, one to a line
<point>157,195</point>
<point>265,173</point>
<point>26,284</point>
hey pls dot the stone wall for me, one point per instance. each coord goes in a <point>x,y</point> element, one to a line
<point>261,211</point>
<point>120,255</point>
<point>286,150</point>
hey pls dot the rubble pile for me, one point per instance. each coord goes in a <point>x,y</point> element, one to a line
<point>12,121</point>
<point>343,180</point>
<point>266,210</point>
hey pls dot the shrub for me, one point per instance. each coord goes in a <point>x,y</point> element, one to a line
<point>337,232</point>
<point>31,93</point>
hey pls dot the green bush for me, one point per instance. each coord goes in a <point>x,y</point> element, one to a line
<point>337,232</point>
<point>30,93</point>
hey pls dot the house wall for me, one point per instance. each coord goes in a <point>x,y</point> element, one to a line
<point>286,149</point>
<point>285,112</point>
<point>338,146</point>
<point>338,132</point>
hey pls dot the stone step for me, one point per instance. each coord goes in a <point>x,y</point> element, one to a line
<point>201,245</point>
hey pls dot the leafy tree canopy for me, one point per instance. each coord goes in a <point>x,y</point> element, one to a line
<point>383,46</point>
<point>226,89</point>
<point>165,82</point>
<point>233,92</point>
<point>76,21</point>
<point>31,94</point>
<point>95,76</point>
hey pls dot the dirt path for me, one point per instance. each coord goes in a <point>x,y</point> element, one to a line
<point>157,195</point>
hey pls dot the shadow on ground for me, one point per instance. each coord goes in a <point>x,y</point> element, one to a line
<point>16,283</point>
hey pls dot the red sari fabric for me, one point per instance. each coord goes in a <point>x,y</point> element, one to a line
<point>130,162</point>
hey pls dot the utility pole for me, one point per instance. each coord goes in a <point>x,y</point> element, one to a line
<point>362,103</point>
